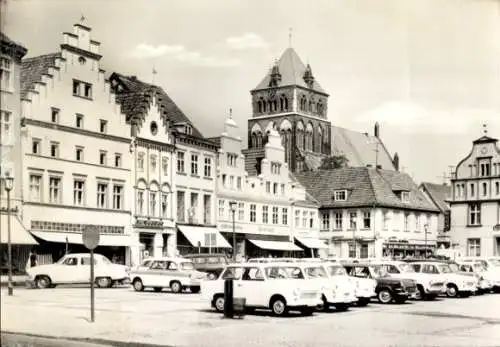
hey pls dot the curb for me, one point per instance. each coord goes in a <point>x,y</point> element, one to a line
<point>15,284</point>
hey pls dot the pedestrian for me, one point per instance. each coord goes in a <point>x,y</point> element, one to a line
<point>32,259</point>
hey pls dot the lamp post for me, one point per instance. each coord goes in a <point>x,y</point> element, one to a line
<point>425,240</point>
<point>9,184</point>
<point>232,204</point>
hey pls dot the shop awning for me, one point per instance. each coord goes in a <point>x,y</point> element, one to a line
<point>311,243</point>
<point>18,234</point>
<point>76,238</point>
<point>204,236</point>
<point>276,245</point>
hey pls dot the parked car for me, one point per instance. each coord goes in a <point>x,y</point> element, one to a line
<point>281,287</point>
<point>456,284</point>
<point>341,293</point>
<point>364,285</point>
<point>75,269</point>
<point>429,285</point>
<point>387,289</point>
<point>211,263</point>
<point>488,279</point>
<point>178,274</point>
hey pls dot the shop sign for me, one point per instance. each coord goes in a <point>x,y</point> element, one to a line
<point>228,227</point>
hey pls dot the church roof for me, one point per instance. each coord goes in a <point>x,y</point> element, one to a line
<point>292,71</point>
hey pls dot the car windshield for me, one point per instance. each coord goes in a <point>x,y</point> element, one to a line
<point>406,268</point>
<point>444,268</point>
<point>187,265</point>
<point>315,272</point>
<point>454,267</point>
<point>336,270</point>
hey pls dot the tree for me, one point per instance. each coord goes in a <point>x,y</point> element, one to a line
<point>334,162</point>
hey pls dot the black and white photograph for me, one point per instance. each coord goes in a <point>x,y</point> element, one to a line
<point>251,173</point>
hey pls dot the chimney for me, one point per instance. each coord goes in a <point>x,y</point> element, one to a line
<point>395,161</point>
<point>376,131</point>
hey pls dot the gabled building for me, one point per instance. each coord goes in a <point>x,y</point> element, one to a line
<point>475,200</point>
<point>76,151</point>
<point>371,213</point>
<point>439,195</point>
<point>273,214</point>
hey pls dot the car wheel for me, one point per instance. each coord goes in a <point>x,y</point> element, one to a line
<point>384,296</point>
<point>362,302</point>
<point>103,282</point>
<point>278,306</point>
<point>218,303</point>
<point>138,286</point>
<point>194,289</point>
<point>451,291</point>
<point>420,294</point>
<point>342,307</point>
<point>176,286</point>
<point>157,289</point>
<point>43,282</point>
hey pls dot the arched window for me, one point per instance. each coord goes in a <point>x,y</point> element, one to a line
<point>282,104</point>
<point>270,105</point>
<point>310,106</point>
<point>303,103</point>
<point>319,108</point>
<point>319,142</point>
<point>254,140</point>
<point>259,106</point>
<point>264,108</point>
<point>286,103</point>
<point>259,139</point>
<point>275,105</point>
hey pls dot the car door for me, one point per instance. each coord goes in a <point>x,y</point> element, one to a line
<point>252,286</point>
<point>67,272</point>
<point>174,272</point>
<point>83,270</point>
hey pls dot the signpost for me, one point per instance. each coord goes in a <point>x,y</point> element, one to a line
<point>90,237</point>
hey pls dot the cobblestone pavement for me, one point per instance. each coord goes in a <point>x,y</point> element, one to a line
<point>184,320</point>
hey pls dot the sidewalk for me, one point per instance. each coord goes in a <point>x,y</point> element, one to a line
<point>17,281</point>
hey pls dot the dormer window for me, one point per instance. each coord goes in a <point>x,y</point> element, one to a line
<point>340,195</point>
<point>405,196</point>
<point>189,129</point>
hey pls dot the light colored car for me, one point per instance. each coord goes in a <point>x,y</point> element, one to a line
<point>178,274</point>
<point>280,287</point>
<point>429,285</point>
<point>75,269</point>
<point>456,284</point>
<point>489,279</point>
<point>365,285</point>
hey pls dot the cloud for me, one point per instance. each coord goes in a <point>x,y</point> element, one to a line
<point>181,54</point>
<point>246,41</point>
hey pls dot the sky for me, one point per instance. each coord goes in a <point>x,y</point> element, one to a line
<point>427,70</point>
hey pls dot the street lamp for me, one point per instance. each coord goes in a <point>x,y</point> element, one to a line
<point>232,205</point>
<point>425,242</point>
<point>9,184</point>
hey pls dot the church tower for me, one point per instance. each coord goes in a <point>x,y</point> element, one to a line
<point>290,100</point>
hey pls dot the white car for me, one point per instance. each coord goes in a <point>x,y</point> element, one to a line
<point>75,269</point>
<point>456,284</point>
<point>429,285</point>
<point>280,287</point>
<point>365,286</point>
<point>486,278</point>
<point>177,274</point>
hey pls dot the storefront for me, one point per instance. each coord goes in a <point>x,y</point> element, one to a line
<point>405,249</point>
<point>311,246</point>
<point>197,239</point>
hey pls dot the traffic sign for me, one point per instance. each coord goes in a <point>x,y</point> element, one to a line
<point>90,237</point>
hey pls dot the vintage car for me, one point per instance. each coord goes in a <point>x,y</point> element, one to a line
<point>211,263</point>
<point>341,291</point>
<point>429,285</point>
<point>364,286</point>
<point>280,287</point>
<point>387,289</point>
<point>488,279</point>
<point>75,269</point>
<point>456,284</point>
<point>178,274</point>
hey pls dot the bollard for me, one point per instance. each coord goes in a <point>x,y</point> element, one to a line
<point>228,298</point>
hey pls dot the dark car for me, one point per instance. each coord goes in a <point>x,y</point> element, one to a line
<point>212,264</point>
<point>388,289</point>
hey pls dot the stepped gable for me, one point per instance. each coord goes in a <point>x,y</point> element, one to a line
<point>32,70</point>
<point>292,71</point>
<point>135,98</point>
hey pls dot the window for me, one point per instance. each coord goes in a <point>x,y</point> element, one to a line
<point>417,222</point>
<point>311,219</point>
<point>353,216</point>
<point>304,219</point>
<point>268,187</point>
<point>386,220</point>
<point>265,214</point>
<point>275,168</point>
<point>224,180</point>
<point>238,183</point>
<point>35,188</point>
<point>164,205</point>
<point>472,190</point>
<point>485,189</point>
<point>340,195</point>
<point>474,214</point>
<point>352,250</point>
<point>82,89</point>
<point>275,215</point>
<point>54,115</point>
<point>338,220</point>
<point>221,209</point>
<point>485,169</point>
<point>140,202</point>
<point>193,210</point>
<point>253,213</point>
<point>36,146</point>
<point>473,247</point>
<point>325,221</point>
<point>164,166</point>
<point>297,218</point>
<point>79,153</point>
<point>241,211</point>
<point>102,195</point>
<point>231,182</point>
<point>55,190</point>
<point>207,171</point>
<point>103,126</point>
<point>5,73</point>
<point>5,127</point>
<point>231,159</point>
<point>153,203</point>
<point>118,160</point>
<point>153,163</point>
<point>180,162</point>
<point>207,209</point>
<point>71,261</point>
<point>102,157</point>
<point>78,192</point>
<point>363,252</point>
<point>367,220</point>
<point>407,221</point>
<point>54,149</point>
<point>275,188</point>
<point>284,216</point>
<point>405,196</point>
<point>79,120</point>
<point>497,188</point>
<point>140,161</point>
<point>282,189</point>
<point>117,197</point>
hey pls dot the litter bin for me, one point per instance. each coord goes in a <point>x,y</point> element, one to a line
<point>239,307</point>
